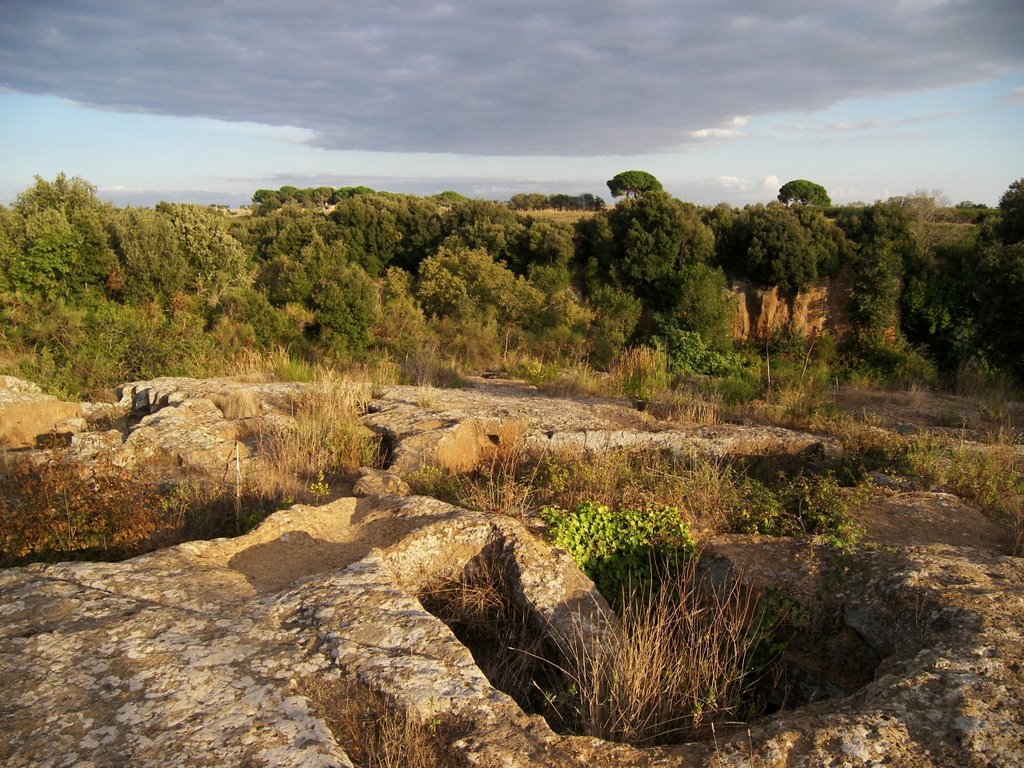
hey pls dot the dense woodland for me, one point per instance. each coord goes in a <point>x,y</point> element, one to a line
<point>431,287</point>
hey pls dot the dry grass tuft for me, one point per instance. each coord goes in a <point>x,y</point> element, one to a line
<point>686,407</point>
<point>641,373</point>
<point>579,381</point>
<point>703,489</point>
<point>681,657</point>
<point>991,476</point>
<point>325,438</point>
<point>375,733</point>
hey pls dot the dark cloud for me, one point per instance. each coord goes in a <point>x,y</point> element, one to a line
<point>578,77</point>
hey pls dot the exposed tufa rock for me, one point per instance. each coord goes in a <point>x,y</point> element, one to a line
<point>378,482</point>
<point>200,651</point>
<point>909,653</point>
<point>762,311</point>
<point>29,417</point>
<point>454,429</point>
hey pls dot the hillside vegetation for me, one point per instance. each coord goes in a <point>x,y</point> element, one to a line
<point>423,289</point>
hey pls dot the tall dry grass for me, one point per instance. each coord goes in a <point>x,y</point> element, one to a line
<point>681,657</point>
<point>323,438</point>
<point>703,488</point>
<point>376,733</point>
<point>989,475</point>
<point>641,373</point>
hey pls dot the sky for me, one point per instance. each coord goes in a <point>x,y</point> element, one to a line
<point>722,100</point>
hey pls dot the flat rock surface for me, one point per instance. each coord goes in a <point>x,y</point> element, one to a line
<point>27,415</point>
<point>908,651</point>
<point>453,427</point>
<point>195,655</point>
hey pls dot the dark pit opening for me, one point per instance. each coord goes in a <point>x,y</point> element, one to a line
<point>796,663</point>
<point>506,641</point>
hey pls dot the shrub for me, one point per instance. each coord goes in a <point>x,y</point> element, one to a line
<point>64,510</point>
<point>689,355</point>
<point>804,504</point>
<point>61,510</point>
<point>619,547</point>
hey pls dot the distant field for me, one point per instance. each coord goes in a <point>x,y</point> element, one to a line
<point>552,214</point>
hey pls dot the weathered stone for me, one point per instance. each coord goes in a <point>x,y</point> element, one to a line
<point>455,429</point>
<point>376,482</point>
<point>28,416</point>
<point>909,652</point>
<point>194,651</point>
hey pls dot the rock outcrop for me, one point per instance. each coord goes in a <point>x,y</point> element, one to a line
<point>199,654</point>
<point>455,428</point>
<point>29,417</point>
<point>763,311</point>
<point>907,653</point>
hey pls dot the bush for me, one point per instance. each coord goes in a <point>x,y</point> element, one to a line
<point>641,373</point>
<point>689,355</point>
<point>619,548</point>
<point>802,504</point>
<point>62,511</point>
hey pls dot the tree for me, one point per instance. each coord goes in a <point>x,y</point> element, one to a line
<point>344,301</point>
<point>633,184</point>
<point>76,203</point>
<point>654,236</point>
<point>152,261</point>
<point>999,288</point>
<point>465,283</point>
<point>216,261</point>
<point>1010,226</point>
<point>803,192</point>
<point>50,256</point>
<point>780,251</point>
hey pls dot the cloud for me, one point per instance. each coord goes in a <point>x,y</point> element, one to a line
<point>732,183</point>
<point>579,77</point>
<point>729,132</point>
<point>863,126</point>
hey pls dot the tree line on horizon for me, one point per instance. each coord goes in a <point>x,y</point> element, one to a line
<point>92,294</point>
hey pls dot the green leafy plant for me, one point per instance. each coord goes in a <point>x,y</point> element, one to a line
<point>804,504</point>
<point>319,487</point>
<point>619,547</point>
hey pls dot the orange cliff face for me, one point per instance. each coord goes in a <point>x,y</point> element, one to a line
<point>765,310</point>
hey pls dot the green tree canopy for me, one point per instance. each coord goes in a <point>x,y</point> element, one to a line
<point>1010,226</point>
<point>216,260</point>
<point>652,238</point>
<point>461,282</point>
<point>74,201</point>
<point>803,192</point>
<point>633,184</point>
<point>153,264</point>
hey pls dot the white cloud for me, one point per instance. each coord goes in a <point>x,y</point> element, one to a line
<point>732,130</point>
<point>771,183</point>
<point>732,183</point>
